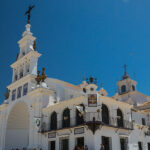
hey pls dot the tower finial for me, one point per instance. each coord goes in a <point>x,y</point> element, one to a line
<point>125,69</point>
<point>28,13</point>
<point>84,78</point>
<point>101,85</point>
<point>125,76</point>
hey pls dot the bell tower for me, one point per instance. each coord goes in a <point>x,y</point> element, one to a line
<point>27,58</point>
<point>126,84</point>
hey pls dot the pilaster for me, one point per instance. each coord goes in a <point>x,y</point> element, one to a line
<point>33,65</point>
<point>24,69</point>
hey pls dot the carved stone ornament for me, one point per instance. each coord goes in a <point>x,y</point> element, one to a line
<point>7,93</point>
<point>34,45</point>
<point>43,76</point>
<point>38,78</point>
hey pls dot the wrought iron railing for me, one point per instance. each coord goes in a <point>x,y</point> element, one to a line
<point>88,117</point>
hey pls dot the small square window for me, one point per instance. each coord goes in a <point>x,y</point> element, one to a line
<point>19,92</point>
<point>25,89</point>
<point>13,95</point>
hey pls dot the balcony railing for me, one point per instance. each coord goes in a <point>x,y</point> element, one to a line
<point>87,118</point>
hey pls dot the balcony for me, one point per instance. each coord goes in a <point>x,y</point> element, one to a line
<point>89,119</point>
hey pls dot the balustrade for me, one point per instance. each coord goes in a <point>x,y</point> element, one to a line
<point>88,117</point>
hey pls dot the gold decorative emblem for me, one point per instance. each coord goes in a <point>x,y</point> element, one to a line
<point>92,100</point>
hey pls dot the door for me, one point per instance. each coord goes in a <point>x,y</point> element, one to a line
<point>65,144</point>
<point>140,145</point>
<point>105,142</point>
<point>122,144</point>
<point>52,145</point>
<point>148,146</point>
<point>80,142</point>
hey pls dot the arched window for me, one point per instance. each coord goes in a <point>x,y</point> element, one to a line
<point>123,89</point>
<point>66,118</point>
<point>79,116</point>
<point>53,121</point>
<point>119,118</point>
<point>105,114</point>
<point>133,87</point>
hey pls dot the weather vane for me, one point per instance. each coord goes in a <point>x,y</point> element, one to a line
<point>28,13</point>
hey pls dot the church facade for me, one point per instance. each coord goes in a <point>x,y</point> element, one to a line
<point>41,113</point>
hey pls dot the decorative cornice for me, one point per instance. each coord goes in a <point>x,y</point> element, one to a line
<point>26,57</point>
<point>126,80</point>
<point>21,81</point>
<point>40,91</point>
<point>25,38</point>
<point>76,101</point>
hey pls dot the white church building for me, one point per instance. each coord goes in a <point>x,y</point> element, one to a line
<point>41,113</point>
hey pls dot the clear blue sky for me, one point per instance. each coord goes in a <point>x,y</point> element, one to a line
<point>81,37</point>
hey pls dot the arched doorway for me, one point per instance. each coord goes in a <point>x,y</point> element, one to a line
<point>17,129</point>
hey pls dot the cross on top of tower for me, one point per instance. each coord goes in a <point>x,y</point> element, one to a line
<point>125,76</point>
<point>125,69</point>
<point>28,13</point>
<point>101,85</point>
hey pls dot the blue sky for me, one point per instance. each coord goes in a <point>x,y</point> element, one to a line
<point>81,37</point>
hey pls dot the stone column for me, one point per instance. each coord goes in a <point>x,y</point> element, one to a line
<point>32,126</point>
<point>59,120</point>
<point>71,141</point>
<point>72,116</point>
<point>18,72</point>
<point>57,143</point>
<point>13,75</point>
<point>115,115</point>
<point>33,65</point>
<point>24,69</point>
